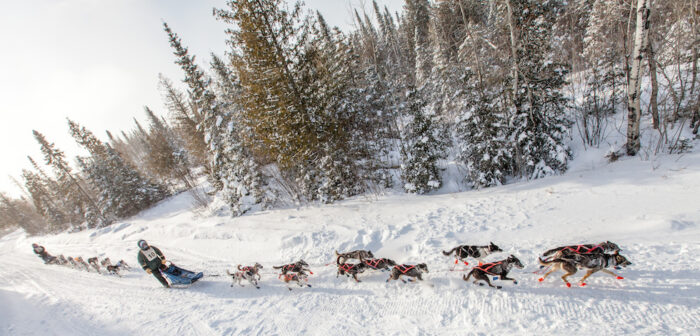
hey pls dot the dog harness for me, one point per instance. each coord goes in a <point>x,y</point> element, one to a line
<point>404,268</point>
<point>373,262</point>
<point>583,249</point>
<point>487,267</point>
<point>346,267</point>
<point>291,277</point>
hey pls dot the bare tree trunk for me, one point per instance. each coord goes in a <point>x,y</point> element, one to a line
<point>651,59</point>
<point>513,50</point>
<point>635,84</point>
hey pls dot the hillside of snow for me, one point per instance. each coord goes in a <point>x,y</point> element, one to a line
<point>650,208</point>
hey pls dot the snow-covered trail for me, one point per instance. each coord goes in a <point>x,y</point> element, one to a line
<point>653,214</point>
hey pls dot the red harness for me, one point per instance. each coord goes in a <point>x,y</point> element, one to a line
<point>487,267</point>
<point>404,268</point>
<point>373,262</point>
<point>346,267</point>
<point>583,249</point>
<point>246,269</point>
<point>291,277</point>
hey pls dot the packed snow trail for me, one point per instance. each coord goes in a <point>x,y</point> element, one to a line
<point>653,214</point>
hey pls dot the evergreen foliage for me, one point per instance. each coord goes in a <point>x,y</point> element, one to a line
<point>298,111</point>
<point>424,146</point>
<point>122,191</point>
<point>539,124</point>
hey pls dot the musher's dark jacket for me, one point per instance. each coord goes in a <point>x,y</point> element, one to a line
<point>151,258</point>
<point>41,251</point>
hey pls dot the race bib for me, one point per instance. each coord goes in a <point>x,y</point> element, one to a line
<point>150,254</point>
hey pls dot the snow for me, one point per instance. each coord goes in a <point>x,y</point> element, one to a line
<point>649,208</point>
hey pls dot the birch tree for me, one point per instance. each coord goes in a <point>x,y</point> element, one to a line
<point>634,110</point>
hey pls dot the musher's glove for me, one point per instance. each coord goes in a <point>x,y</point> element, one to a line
<point>148,270</point>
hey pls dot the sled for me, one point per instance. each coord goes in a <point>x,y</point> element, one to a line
<point>181,276</point>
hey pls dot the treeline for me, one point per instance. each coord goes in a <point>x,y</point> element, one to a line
<point>298,112</point>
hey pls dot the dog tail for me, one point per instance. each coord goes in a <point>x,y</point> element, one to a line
<point>552,251</point>
<point>239,267</point>
<point>277,267</point>
<point>450,252</point>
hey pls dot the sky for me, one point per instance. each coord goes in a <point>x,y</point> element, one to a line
<point>97,63</point>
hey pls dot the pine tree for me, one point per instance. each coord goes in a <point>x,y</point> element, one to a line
<point>165,158</point>
<point>43,201</point>
<point>76,199</point>
<point>538,123</point>
<point>482,130</point>
<point>424,146</point>
<point>122,191</point>
<point>185,123</point>
<point>203,112</point>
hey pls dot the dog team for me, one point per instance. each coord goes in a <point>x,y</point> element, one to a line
<point>589,257</point>
<point>80,264</point>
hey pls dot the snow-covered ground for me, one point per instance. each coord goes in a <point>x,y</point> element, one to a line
<point>650,208</point>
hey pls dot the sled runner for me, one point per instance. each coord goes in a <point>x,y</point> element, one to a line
<point>181,276</point>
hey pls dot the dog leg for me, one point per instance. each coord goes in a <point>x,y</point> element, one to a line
<point>547,274</point>
<point>505,277</point>
<point>486,278</point>
<point>354,276</point>
<point>563,277</point>
<point>582,282</point>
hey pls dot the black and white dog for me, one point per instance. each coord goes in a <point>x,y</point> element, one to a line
<point>413,271</point>
<point>593,262</point>
<point>462,252</point>
<point>250,273</point>
<point>499,268</point>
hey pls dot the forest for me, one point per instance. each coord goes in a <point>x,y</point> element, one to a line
<point>298,112</point>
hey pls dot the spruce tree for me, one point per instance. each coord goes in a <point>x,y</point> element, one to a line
<point>424,145</point>
<point>76,199</point>
<point>122,191</point>
<point>539,125</point>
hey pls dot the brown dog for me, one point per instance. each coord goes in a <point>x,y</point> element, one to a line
<point>592,262</point>
<point>414,271</point>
